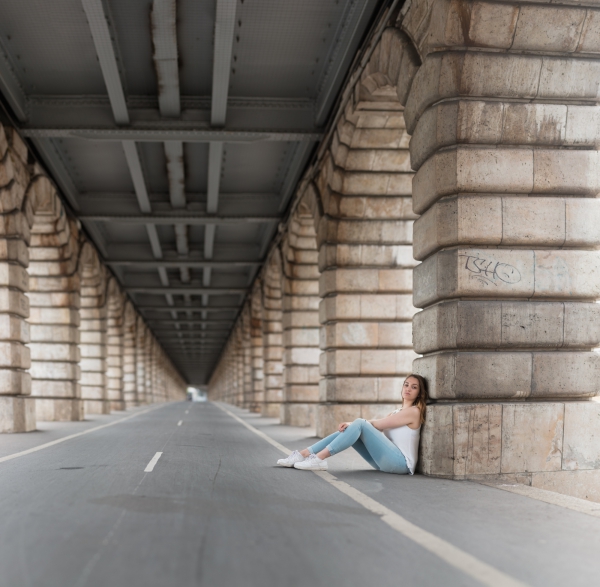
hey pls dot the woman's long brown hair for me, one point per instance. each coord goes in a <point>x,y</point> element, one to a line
<point>423,397</point>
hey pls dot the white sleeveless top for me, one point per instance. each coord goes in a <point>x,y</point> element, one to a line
<point>407,440</point>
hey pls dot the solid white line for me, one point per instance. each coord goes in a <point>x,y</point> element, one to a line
<point>70,437</point>
<point>180,423</point>
<point>153,461</point>
<point>454,556</point>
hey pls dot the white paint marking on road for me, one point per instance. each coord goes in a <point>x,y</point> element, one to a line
<point>454,556</point>
<point>70,437</point>
<point>180,423</point>
<point>150,466</point>
<point>187,411</point>
<point>583,506</point>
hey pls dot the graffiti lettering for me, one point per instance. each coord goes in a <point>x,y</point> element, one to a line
<point>490,271</point>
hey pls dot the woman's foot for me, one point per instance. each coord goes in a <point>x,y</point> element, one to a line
<point>290,461</point>
<point>312,463</point>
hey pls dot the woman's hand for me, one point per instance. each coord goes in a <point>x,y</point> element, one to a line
<point>343,426</point>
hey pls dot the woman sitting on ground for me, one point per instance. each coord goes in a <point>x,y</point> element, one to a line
<point>390,444</point>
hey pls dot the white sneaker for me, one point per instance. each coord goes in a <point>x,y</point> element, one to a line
<point>290,461</point>
<point>312,463</point>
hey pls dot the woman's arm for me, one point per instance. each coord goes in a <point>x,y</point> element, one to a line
<point>404,417</point>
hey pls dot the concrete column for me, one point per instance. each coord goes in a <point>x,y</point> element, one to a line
<point>17,409</point>
<point>130,389</point>
<point>114,346</point>
<point>55,299</point>
<point>365,258</point>
<point>256,339</point>
<point>505,138</point>
<point>300,321</point>
<point>272,336</point>
<point>93,332</point>
<point>140,360</point>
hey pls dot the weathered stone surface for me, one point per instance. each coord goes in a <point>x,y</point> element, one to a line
<point>17,414</point>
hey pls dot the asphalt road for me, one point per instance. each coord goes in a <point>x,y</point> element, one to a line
<point>215,511</point>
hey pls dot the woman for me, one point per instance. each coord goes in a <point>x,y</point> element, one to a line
<point>390,444</point>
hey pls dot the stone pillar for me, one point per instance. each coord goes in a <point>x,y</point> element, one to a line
<point>238,365</point>
<point>505,138</point>
<point>272,337</point>
<point>130,389</point>
<point>363,192</point>
<point>114,346</point>
<point>247,357</point>
<point>148,367</point>
<point>140,360</point>
<point>256,339</point>
<point>17,409</point>
<point>93,332</point>
<point>54,316</point>
<point>300,321</point>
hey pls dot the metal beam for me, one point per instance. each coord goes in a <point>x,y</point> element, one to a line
<point>185,290</point>
<point>190,219</point>
<point>215,162</point>
<point>55,164</point>
<point>11,87</point>
<point>295,170</point>
<point>99,28</point>
<point>163,18</point>
<point>176,173</point>
<point>176,264</point>
<point>350,30</point>
<point>137,176</point>
<point>224,29</point>
<point>161,133</point>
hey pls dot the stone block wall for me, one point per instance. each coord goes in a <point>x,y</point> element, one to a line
<point>61,324</point>
<point>479,121</point>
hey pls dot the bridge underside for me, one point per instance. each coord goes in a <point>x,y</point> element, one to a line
<point>297,207</point>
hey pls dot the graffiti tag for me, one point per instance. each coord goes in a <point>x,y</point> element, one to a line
<point>488,271</point>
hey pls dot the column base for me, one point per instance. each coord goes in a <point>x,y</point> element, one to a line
<point>17,414</point>
<point>117,405</point>
<point>255,408</point>
<point>328,416</point>
<point>96,406</point>
<point>511,440</point>
<point>131,404</point>
<point>270,410</point>
<point>303,415</point>
<point>59,409</point>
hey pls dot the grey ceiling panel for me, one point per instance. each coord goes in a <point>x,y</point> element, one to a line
<point>254,168</point>
<point>97,166</point>
<point>51,47</point>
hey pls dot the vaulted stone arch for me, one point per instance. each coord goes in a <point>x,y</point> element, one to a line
<point>272,335</point>
<point>363,187</point>
<point>114,345</point>
<point>93,331</point>
<point>140,360</point>
<point>256,341</point>
<point>300,319</point>
<point>54,294</point>
<point>17,408</point>
<point>130,389</point>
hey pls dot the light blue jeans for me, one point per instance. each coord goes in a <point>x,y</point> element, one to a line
<point>371,444</point>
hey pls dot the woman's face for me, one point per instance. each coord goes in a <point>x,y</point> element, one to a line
<point>410,390</point>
